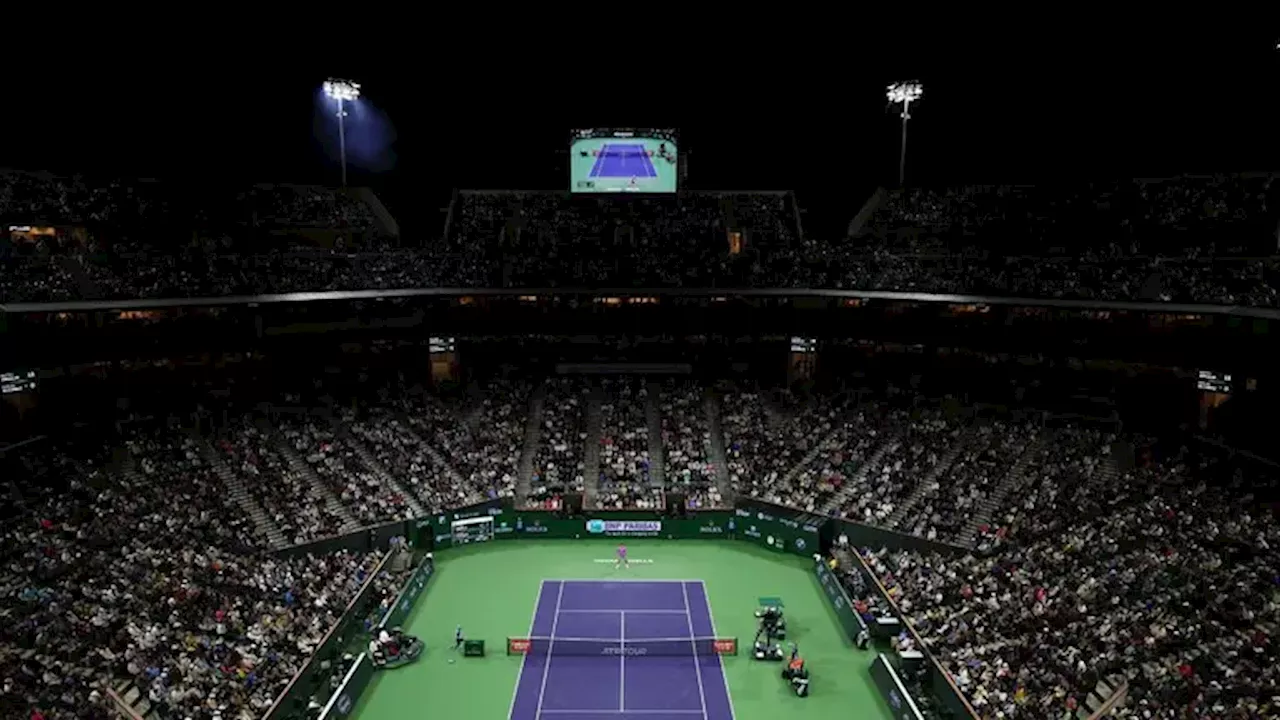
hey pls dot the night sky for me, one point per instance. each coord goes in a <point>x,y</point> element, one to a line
<point>753,116</point>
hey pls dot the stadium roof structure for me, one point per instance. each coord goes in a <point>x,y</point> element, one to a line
<point>884,295</point>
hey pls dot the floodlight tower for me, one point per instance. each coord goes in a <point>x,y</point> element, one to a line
<point>904,93</point>
<point>342,91</point>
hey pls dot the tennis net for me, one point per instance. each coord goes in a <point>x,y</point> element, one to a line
<point>608,647</point>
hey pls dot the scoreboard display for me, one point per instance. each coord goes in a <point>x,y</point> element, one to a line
<point>18,381</point>
<point>621,161</point>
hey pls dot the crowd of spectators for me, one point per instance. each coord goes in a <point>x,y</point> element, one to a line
<point>625,481</point>
<point>1187,239</point>
<point>841,455</point>
<point>1166,575</point>
<point>357,486</point>
<point>916,442</point>
<point>558,463</point>
<point>138,569</point>
<point>285,495</point>
<point>765,440</point>
<point>484,450</point>
<point>1068,457</point>
<point>953,498</point>
<point>686,446</point>
<point>403,455</point>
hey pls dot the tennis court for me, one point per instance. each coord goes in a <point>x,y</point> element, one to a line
<point>490,589</point>
<point>622,650</point>
<point>623,160</point>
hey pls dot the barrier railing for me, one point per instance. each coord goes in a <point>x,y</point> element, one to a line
<point>963,702</point>
<point>841,603</point>
<point>1112,702</point>
<point>324,648</point>
<point>122,707</point>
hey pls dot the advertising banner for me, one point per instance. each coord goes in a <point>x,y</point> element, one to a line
<point>408,597</point>
<point>348,693</point>
<point>534,523</point>
<point>899,700</point>
<point>783,534</point>
<point>831,587</point>
<point>441,525</point>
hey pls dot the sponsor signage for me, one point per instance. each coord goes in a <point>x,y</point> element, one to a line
<point>624,527</point>
<point>623,650</point>
<point>725,646</point>
<point>536,527</point>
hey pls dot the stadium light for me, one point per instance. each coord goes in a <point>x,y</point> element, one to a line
<point>343,91</point>
<point>904,93</point>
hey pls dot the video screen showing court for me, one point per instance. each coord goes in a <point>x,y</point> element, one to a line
<point>611,161</point>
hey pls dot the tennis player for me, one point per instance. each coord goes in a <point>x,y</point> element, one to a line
<point>622,558</point>
<point>457,638</point>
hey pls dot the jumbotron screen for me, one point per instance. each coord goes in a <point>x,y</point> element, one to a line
<point>609,161</point>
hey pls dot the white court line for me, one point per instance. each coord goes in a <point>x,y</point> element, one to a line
<point>546,667</point>
<point>609,641</point>
<point>598,581</point>
<point>598,166</point>
<point>615,612</point>
<point>622,668</point>
<point>620,712</point>
<point>706,597</point>
<point>533,619</point>
<point>697,666</point>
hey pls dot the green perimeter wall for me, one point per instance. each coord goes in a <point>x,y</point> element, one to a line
<point>775,528</point>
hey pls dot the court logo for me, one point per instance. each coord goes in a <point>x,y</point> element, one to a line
<point>800,544</point>
<point>769,541</point>
<point>617,650</point>
<point>344,704</point>
<point>595,526</point>
<point>711,527</point>
<point>752,532</point>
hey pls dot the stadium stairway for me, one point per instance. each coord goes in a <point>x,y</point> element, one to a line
<point>238,492</point>
<point>823,445</point>
<point>134,700</point>
<point>944,464</point>
<point>1106,696</point>
<point>73,266</point>
<point>532,436</point>
<point>407,427</point>
<point>653,420</point>
<point>382,218</point>
<point>832,508</point>
<point>591,448</point>
<point>989,506</point>
<point>473,410</point>
<point>719,455</point>
<point>352,439</point>
<point>302,468</point>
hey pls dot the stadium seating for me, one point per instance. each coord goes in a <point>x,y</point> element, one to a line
<point>141,563</point>
<point>1185,239</point>
<point>1077,572</point>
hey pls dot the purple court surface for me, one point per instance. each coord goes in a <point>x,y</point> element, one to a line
<point>617,160</point>
<point>575,685</point>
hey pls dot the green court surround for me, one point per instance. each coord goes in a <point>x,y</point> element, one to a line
<point>491,590</point>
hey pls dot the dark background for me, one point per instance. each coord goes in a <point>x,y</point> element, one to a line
<point>756,112</point>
